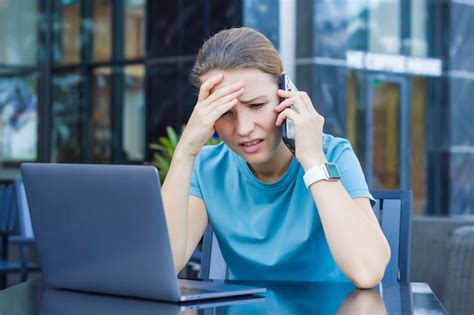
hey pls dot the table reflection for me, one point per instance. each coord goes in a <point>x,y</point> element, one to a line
<point>281,298</point>
<point>363,302</point>
<point>312,298</point>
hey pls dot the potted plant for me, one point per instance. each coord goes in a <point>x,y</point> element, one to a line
<point>165,148</point>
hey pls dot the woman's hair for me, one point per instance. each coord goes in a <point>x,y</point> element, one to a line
<point>234,49</point>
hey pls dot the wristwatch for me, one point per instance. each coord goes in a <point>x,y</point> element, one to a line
<point>325,171</point>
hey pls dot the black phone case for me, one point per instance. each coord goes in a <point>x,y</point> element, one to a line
<point>290,142</point>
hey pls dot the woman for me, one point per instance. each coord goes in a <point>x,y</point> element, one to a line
<point>269,224</point>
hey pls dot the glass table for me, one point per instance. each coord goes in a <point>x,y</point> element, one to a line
<point>281,298</point>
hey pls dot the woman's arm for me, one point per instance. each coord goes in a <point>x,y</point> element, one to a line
<point>181,209</point>
<point>186,216</point>
<point>355,238</point>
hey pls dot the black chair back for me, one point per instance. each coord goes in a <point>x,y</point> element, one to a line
<point>15,228</point>
<point>8,207</point>
<point>393,210</point>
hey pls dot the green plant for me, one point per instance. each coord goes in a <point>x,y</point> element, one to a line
<point>165,148</point>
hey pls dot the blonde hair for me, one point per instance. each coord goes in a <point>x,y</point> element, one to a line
<point>234,49</point>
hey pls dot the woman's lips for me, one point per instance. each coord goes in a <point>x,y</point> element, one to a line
<point>251,146</point>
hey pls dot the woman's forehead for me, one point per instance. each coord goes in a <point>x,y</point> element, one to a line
<point>253,79</point>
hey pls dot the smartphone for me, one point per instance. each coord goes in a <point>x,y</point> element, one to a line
<point>287,127</point>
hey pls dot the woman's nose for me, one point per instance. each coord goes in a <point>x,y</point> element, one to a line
<point>245,125</point>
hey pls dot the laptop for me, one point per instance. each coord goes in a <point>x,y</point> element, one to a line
<point>102,228</point>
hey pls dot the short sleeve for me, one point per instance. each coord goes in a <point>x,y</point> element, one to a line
<point>352,176</point>
<point>195,187</point>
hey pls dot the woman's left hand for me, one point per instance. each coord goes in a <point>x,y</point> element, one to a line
<point>308,127</point>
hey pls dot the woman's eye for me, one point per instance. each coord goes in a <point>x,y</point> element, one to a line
<point>256,106</point>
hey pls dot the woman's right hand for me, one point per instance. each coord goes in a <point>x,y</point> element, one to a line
<point>209,108</point>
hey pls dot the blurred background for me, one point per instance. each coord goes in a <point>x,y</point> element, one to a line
<point>98,81</point>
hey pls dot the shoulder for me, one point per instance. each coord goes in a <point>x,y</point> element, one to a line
<point>335,146</point>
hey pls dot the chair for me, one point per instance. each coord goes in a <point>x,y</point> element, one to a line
<point>460,272</point>
<point>393,211</point>
<point>442,255</point>
<point>15,228</point>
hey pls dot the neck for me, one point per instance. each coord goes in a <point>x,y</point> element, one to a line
<point>275,168</point>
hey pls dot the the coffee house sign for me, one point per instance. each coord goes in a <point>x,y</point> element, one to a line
<point>394,63</point>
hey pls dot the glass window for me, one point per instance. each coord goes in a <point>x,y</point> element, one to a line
<point>66,118</point>
<point>330,32</point>
<point>418,145</point>
<point>134,114</point>
<point>385,134</point>
<point>18,32</point>
<point>384,26</point>
<point>101,116</point>
<point>304,29</point>
<point>356,26</point>
<point>102,28</point>
<point>263,15</point>
<point>418,23</point>
<point>357,113</point>
<point>134,29</point>
<point>18,118</point>
<point>67,32</point>
<point>133,118</point>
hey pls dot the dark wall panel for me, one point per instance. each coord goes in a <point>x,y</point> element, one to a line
<point>175,32</point>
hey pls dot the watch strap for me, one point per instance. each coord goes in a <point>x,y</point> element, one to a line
<point>314,175</point>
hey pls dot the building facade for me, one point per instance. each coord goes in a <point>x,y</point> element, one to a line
<point>96,81</point>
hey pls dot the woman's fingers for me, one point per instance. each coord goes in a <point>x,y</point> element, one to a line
<point>299,100</point>
<point>285,104</point>
<point>221,109</point>
<point>287,94</point>
<point>212,103</point>
<point>229,97</point>
<point>299,94</point>
<point>308,123</point>
<point>223,91</point>
<point>207,86</point>
<point>287,113</point>
<point>297,97</point>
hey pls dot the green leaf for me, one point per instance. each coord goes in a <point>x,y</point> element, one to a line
<point>163,163</point>
<point>172,135</point>
<point>164,150</point>
<point>158,147</point>
<point>153,146</point>
<point>166,142</point>
<point>213,141</point>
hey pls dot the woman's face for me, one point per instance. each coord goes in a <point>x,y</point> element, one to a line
<point>249,127</point>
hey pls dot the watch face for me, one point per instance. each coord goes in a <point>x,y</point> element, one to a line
<point>333,171</point>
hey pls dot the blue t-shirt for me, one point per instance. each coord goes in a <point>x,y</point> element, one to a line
<point>271,231</point>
